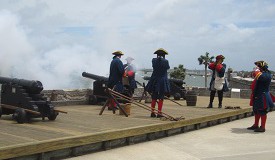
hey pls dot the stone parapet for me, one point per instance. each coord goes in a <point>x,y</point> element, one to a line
<point>81,96</point>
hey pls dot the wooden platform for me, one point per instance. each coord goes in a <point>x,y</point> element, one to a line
<point>82,130</point>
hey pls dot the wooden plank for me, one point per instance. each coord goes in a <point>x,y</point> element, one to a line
<point>73,141</point>
<point>85,126</point>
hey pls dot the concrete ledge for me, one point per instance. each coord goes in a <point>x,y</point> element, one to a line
<point>88,143</point>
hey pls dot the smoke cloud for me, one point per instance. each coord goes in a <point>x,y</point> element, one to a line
<point>57,68</point>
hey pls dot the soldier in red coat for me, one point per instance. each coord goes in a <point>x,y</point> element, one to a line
<point>130,71</point>
<point>218,82</point>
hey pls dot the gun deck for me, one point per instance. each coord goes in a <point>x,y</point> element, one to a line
<point>84,126</point>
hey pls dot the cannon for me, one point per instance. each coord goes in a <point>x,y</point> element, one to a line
<point>95,77</point>
<point>176,85</point>
<point>24,100</point>
<point>99,85</point>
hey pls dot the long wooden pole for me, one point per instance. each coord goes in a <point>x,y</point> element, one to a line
<point>59,111</point>
<point>144,93</point>
<point>139,104</point>
<point>14,108</point>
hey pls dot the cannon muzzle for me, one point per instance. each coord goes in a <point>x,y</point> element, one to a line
<point>31,86</point>
<point>178,82</point>
<point>94,77</point>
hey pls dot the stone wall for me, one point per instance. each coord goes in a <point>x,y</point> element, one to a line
<point>201,91</point>
<point>239,83</point>
<point>245,83</point>
<point>81,96</point>
<point>68,97</point>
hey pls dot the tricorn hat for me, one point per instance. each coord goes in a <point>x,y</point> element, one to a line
<point>220,57</point>
<point>161,51</point>
<point>261,64</point>
<point>118,53</point>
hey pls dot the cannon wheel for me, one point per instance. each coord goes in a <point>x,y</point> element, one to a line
<point>177,96</point>
<point>20,115</point>
<point>52,116</point>
<point>92,99</point>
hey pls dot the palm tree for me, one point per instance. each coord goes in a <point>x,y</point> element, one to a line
<point>205,59</point>
<point>178,72</point>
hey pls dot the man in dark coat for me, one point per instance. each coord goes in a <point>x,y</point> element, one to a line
<point>158,84</point>
<point>218,82</point>
<point>116,73</point>
<point>261,99</point>
<point>130,70</point>
<point>115,76</point>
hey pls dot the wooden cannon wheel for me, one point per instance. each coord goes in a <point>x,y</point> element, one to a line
<point>20,115</point>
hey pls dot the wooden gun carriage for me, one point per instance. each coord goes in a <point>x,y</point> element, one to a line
<point>24,100</point>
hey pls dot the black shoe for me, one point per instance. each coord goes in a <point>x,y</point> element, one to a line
<point>220,106</point>
<point>259,130</point>
<point>159,115</point>
<point>210,106</point>
<point>153,115</point>
<point>253,127</point>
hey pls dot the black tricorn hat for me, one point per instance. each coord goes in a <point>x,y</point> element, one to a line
<point>161,51</point>
<point>118,53</point>
<point>261,64</point>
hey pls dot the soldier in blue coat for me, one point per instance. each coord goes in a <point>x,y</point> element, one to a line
<point>115,76</point>
<point>261,99</point>
<point>218,82</point>
<point>158,84</point>
<point>116,73</point>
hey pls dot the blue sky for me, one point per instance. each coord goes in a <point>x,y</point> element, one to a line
<point>55,41</point>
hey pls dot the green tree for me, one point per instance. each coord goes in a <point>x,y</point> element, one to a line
<point>205,60</point>
<point>178,72</point>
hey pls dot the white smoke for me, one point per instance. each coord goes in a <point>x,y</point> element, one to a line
<point>58,68</point>
<point>55,41</point>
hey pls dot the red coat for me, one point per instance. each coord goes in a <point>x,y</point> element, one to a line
<point>256,74</point>
<point>252,87</point>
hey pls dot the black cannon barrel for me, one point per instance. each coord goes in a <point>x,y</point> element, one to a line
<point>94,77</point>
<point>178,82</point>
<point>31,86</point>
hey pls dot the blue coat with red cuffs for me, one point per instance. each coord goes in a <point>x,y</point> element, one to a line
<point>159,81</point>
<point>262,99</point>
<point>116,74</point>
<point>220,71</point>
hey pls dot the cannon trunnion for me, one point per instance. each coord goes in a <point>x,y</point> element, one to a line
<point>24,100</point>
<point>178,91</point>
<point>99,85</point>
